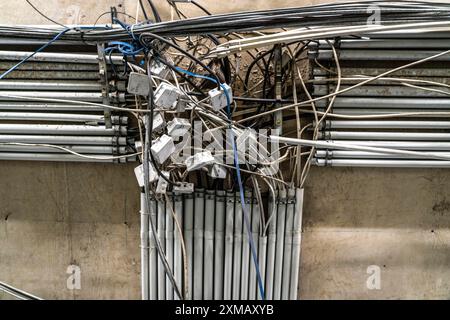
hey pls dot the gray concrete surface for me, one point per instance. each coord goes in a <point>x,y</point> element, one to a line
<point>53,215</point>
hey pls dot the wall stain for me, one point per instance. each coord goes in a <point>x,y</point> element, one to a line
<point>442,207</point>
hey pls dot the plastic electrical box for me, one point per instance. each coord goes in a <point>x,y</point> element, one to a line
<point>178,127</point>
<point>166,96</point>
<point>218,97</point>
<point>162,148</point>
<point>159,69</point>
<point>138,84</point>
<point>181,105</point>
<point>183,187</point>
<point>139,172</point>
<point>199,160</point>
<point>161,186</point>
<point>217,172</point>
<point>158,122</point>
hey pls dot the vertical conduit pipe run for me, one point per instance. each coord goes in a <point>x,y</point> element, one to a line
<point>144,249</point>
<point>161,236</point>
<point>219,239</point>
<point>237,248</point>
<point>177,256</point>
<point>253,281</point>
<point>199,211</point>
<point>153,270</point>
<point>169,250</point>
<point>245,252</point>
<point>271,242</point>
<point>296,242</point>
<point>262,260</point>
<point>279,244</point>
<point>208,250</point>
<point>228,266</point>
<point>189,240</point>
<point>288,235</point>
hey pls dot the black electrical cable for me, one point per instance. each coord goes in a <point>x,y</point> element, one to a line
<point>43,15</point>
<point>266,79</point>
<point>331,15</point>
<point>252,64</point>
<point>143,10</point>
<point>155,11</point>
<point>201,7</point>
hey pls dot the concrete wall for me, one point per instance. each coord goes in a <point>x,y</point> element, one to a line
<point>53,215</point>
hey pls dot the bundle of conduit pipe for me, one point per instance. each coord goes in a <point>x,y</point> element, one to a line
<point>325,15</point>
<point>418,96</point>
<point>42,102</point>
<point>218,263</point>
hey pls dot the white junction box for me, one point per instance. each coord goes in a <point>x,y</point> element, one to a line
<point>199,160</point>
<point>178,127</point>
<point>159,122</point>
<point>183,187</point>
<point>166,95</point>
<point>162,184</point>
<point>218,97</point>
<point>162,148</point>
<point>217,172</point>
<point>138,84</point>
<point>159,69</point>
<point>139,172</point>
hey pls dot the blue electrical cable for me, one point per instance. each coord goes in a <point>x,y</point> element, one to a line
<point>127,49</point>
<point>4,74</point>
<point>238,174</point>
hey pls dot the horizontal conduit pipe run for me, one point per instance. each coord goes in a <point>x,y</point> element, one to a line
<point>341,154</point>
<point>55,57</point>
<point>382,55</point>
<point>50,85</point>
<point>64,140</point>
<point>341,145</point>
<point>48,107</point>
<point>61,117</point>
<point>59,157</point>
<point>382,163</point>
<point>48,66</point>
<point>387,102</point>
<point>344,124</point>
<point>79,96</point>
<point>405,145</point>
<point>388,43</point>
<point>63,129</point>
<point>352,135</point>
<point>52,75</point>
<point>383,91</point>
<point>109,150</point>
<point>430,113</point>
<point>374,71</point>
